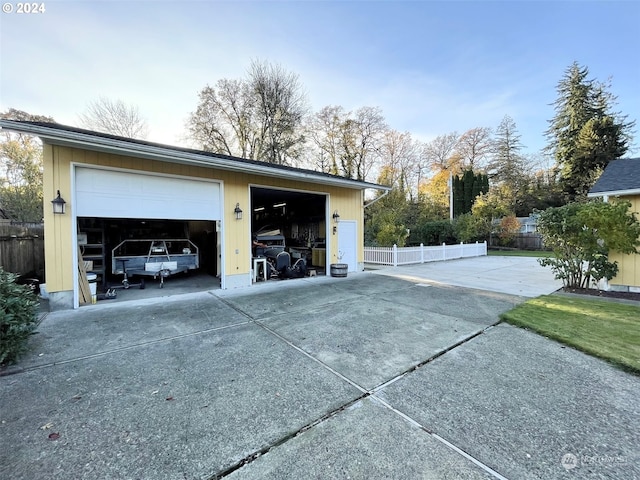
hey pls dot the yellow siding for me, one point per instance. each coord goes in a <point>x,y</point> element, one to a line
<point>628,265</point>
<point>58,228</point>
<point>237,234</point>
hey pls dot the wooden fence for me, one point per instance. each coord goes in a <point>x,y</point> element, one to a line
<point>522,241</point>
<point>22,248</point>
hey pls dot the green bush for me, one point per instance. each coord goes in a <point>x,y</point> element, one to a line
<point>390,234</point>
<point>18,320</point>
<point>582,235</point>
<point>436,233</point>
<point>471,228</point>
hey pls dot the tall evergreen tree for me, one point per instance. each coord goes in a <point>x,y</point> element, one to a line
<point>507,166</point>
<point>585,134</point>
<point>466,188</point>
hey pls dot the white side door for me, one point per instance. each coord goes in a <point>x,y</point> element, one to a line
<point>347,244</point>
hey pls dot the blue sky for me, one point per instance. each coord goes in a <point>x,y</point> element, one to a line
<point>432,67</point>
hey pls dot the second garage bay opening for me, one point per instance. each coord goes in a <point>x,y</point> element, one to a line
<point>288,221</point>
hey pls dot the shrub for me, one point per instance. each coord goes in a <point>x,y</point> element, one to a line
<point>18,320</point>
<point>509,228</point>
<point>471,228</point>
<point>582,235</point>
<point>436,233</point>
<point>391,234</point>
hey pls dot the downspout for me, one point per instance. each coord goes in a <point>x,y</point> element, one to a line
<point>386,192</point>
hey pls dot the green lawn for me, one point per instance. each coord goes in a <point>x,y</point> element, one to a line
<point>607,330</point>
<point>519,253</point>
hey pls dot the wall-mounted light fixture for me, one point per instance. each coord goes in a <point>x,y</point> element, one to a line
<point>58,204</point>
<point>238,212</point>
<point>336,217</point>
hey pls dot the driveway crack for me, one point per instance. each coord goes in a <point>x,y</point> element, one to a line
<point>258,453</point>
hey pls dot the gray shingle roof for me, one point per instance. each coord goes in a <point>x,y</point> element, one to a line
<point>619,176</point>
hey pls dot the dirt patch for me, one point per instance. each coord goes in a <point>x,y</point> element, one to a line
<point>603,294</point>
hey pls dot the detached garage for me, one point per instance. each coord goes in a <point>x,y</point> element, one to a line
<point>137,211</point>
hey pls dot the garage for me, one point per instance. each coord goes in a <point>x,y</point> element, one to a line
<point>184,220</point>
<point>137,230</point>
<point>293,222</point>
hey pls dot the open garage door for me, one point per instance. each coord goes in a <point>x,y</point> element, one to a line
<point>128,221</point>
<point>118,194</point>
<point>292,221</point>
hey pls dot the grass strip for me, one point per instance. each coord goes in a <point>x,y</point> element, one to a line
<point>604,329</point>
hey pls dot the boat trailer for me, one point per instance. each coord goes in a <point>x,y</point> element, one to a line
<point>163,258</point>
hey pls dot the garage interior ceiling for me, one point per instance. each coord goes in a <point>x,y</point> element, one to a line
<point>283,209</point>
<point>299,216</point>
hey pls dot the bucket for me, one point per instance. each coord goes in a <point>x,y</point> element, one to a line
<point>339,269</point>
<point>93,286</point>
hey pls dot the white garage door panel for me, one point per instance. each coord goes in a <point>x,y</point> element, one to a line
<point>106,193</point>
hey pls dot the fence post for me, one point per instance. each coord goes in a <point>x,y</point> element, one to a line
<point>422,253</point>
<point>395,255</point>
<point>477,249</point>
<point>485,247</point>
<point>444,251</point>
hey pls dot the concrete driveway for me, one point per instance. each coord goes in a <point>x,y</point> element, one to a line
<point>378,375</point>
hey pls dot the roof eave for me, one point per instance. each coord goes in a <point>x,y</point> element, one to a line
<point>615,193</point>
<point>167,154</point>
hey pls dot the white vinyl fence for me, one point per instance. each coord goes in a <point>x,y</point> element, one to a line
<point>410,255</point>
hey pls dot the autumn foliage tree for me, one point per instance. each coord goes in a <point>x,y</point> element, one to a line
<point>509,228</point>
<point>21,170</point>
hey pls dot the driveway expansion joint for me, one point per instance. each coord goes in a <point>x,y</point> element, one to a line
<point>437,437</point>
<point>263,451</point>
<point>415,367</point>
<point>10,371</point>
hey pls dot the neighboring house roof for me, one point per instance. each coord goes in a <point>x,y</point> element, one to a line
<point>65,135</point>
<point>620,177</point>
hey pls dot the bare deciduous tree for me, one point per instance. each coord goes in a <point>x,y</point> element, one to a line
<point>347,144</point>
<point>324,130</point>
<point>259,118</point>
<point>474,146</point>
<point>437,153</point>
<point>281,110</point>
<point>361,136</point>
<point>114,117</point>
<point>400,160</point>
<point>222,122</point>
